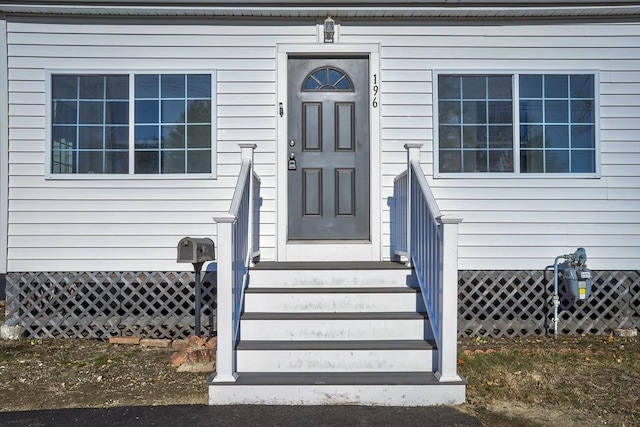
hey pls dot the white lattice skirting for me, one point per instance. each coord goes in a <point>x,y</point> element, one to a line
<point>518,303</point>
<point>105,304</point>
<point>161,304</point>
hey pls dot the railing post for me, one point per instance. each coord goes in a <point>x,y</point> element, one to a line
<point>447,353</point>
<point>246,153</point>
<point>225,354</point>
<point>413,153</point>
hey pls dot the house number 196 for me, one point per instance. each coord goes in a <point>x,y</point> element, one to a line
<point>376,89</point>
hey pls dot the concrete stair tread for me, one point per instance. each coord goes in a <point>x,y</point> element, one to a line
<point>335,378</point>
<point>346,265</point>
<point>332,316</point>
<point>328,290</point>
<point>338,345</point>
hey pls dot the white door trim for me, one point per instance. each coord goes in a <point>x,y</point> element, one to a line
<point>327,251</point>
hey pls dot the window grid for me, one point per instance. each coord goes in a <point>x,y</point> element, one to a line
<point>75,149</point>
<point>580,126</point>
<point>559,147</point>
<point>480,142</point>
<point>165,143</point>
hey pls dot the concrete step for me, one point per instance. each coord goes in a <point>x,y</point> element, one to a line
<point>337,388</point>
<point>329,300</point>
<point>335,326</point>
<point>335,356</point>
<point>319,275</point>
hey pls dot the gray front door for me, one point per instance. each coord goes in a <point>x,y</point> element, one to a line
<point>328,149</point>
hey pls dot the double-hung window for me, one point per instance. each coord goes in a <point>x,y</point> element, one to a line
<point>526,123</point>
<point>153,124</point>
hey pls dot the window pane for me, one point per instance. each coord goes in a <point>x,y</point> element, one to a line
<point>173,136</point>
<point>500,112</point>
<point>65,112</point>
<point>474,87</point>
<point>583,136</point>
<point>147,137</point>
<point>147,86</point>
<point>556,136</point>
<point>583,161</point>
<point>556,86</point>
<point>64,137</point>
<point>485,124</point>
<point>173,112</point>
<point>531,137</point>
<point>116,138</point>
<point>449,87</point>
<point>556,111</point>
<point>531,112</point>
<point>92,87</point>
<point>530,86</point>
<point>450,161</point>
<point>582,111</point>
<point>474,112</point>
<point>474,161</point>
<point>449,112</point>
<point>199,112</point>
<point>147,161</point>
<point>582,86</point>
<point>199,136</point>
<point>199,161</point>
<point>500,87</point>
<point>173,162</point>
<point>198,86</point>
<point>90,137</point>
<point>501,161</point>
<point>90,162</point>
<point>117,112</point>
<point>64,87</point>
<point>63,161</point>
<point>556,161</point>
<point>118,87</point>
<point>147,111</point>
<point>173,86</point>
<point>531,161</point>
<point>474,137</point>
<point>500,137</point>
<point>91,112</point>
<point>449,136</point>
<point>116,162</point>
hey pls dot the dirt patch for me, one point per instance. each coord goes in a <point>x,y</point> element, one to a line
<point>569,381</point>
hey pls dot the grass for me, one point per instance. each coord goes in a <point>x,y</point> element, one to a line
<point>597,376</point>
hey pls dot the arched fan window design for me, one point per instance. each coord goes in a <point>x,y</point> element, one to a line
<point>327,79</point>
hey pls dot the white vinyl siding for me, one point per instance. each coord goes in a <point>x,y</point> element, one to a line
<point>122,225</point>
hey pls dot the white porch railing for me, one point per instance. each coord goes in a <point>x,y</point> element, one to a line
<point>236,238</point>
<point>429,240</point>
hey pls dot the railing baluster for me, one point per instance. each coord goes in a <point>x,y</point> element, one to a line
<point>432,246</point>
<point>235,252</point>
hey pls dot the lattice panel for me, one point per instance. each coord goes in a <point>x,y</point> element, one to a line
<point>518,303</point>
<point>104,304</point>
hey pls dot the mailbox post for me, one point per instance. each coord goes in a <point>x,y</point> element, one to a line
<point>196,251</point>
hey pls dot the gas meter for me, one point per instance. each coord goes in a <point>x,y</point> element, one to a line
<point>577,277</point>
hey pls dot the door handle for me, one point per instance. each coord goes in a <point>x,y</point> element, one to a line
<point>292,162</point>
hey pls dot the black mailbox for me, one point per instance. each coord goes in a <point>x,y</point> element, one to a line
<point>196,250</point>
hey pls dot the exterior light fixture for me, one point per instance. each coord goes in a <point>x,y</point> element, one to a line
<point>329,29</point>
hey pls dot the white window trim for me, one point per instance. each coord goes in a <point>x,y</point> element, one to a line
<point>515,73</point>
<point>49,175</point>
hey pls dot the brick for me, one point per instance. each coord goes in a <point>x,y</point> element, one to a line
<point>124,340</point>
<point>178,359</point>
<point>197,367</point>
<point>195,340</point>
<point>211,343</point>
<point>153,342</point>
<point>180,344</point>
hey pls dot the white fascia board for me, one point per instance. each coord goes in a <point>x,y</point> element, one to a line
<point>386,10</point>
